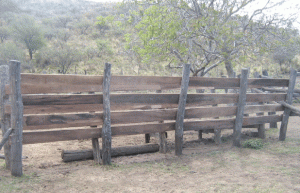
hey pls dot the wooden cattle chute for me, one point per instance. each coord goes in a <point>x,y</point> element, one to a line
<point>45,108</point>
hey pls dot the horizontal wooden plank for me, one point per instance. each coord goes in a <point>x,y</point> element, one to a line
<point>150,99</point>
<point>66,135</point>
<point>259,82</point>
<point>263,108</point>
<point>45,83</point>
<point>47,104</point>
<point>37,122</point>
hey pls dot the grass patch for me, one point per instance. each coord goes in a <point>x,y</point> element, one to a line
<point>17,184</point>
<point>285,148</point>
<point>273,131</point>
<point>253,144</point>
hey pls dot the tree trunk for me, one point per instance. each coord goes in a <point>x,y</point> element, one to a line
<point>229,69</point>
<point>30,54</point>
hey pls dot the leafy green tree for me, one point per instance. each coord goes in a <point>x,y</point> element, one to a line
<point>83,25</point>
<point>10,51</point>
<point>204,33</point>
<point>4,33</point>
<point>61,57</point>
<point>63,21</point>
<point>28,32</point>
<point>286,47</point>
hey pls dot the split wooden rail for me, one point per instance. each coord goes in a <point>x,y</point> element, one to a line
<point>47,113</point>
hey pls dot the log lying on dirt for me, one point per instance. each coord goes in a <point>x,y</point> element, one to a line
<point>76,155</point>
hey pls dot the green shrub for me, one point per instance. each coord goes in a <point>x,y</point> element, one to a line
<point>253,143</point>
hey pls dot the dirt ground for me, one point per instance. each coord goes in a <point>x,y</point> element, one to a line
<point>204,167</point>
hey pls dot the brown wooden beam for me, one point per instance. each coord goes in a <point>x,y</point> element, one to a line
<point>37,83</point>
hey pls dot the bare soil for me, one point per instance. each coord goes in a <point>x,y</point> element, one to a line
<point>204,167</point>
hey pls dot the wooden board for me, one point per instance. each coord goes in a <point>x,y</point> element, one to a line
<point>75,134</point>
<point>38,122</point>
<point>47,104</point>
<point>149,99</point>
<point>43,83</point>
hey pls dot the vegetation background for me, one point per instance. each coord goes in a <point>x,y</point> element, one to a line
<point>148,37</point>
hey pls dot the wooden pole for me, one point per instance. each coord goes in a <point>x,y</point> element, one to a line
<point>5,119</point>
<point>294,109</point>
<point>106,129</point>
<point>217,132</point>
<point>147,138</point>
<point>287,111</point>
<point>96,151</point>
<point>240,108</point>
<point>181,109</point>
<point>16,118</point>
<point>5,138</point>
<point>163,144</point>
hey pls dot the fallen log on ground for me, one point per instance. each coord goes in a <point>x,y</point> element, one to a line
<point>76,155</point>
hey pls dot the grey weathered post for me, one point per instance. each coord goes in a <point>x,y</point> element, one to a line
<point>5,119</point>
<point>240,108</point>
<point>96,150</point>
<point>106,128</point>
<point>147,138</point>
<point>163,145</point>
<point>181,109</point>
<point>16,118</point>
<point>261,127</point>
<point>289,100</point>
<point>217,132</point>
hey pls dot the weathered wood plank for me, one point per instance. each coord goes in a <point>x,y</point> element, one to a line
<point>106,128</point>
<point>48,104</point>
<point>149,99</point>
<point>37,83</point>
<point>241,106</point>
<point>287,111</point>
<point>16,118</point>
<point>4,119</point>
<point>181,109</point>
<point>78,134</point>
<point>258,83</point>
<point>37,122</point>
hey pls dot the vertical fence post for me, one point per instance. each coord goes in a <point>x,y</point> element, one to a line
<point>96,150</point>
<point>181,109</point>
<point>5,119</point>
<point>163,144</point>
<point>261,127</point>
<point>289,100</point>
<point>106,129</point>
<point>240,108</point>
<point>16,118</point>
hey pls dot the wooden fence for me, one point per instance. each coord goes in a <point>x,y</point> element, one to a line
<point>36,115</point>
